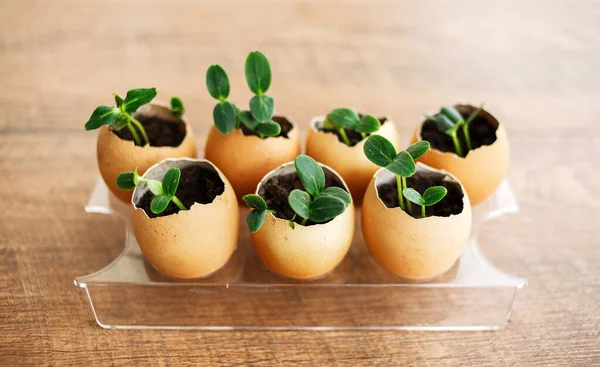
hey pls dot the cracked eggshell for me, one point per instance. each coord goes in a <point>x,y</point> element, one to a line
<point>416,249</point>
<point>306,252</point>
<point>193,243</point>
<point>482,170</point>
<point>116,155</point>
<point>246,159</point>
<point>350,162</point>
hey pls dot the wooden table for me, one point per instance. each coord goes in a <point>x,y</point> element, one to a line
<point>536,64</point>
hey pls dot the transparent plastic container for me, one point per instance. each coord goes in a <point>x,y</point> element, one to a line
<point>359,294</point>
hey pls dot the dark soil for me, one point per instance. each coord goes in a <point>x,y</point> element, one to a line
<point>353,136</point>
<point>482,130</point>
<point>451,204</point>
<point>286,127</point>
<point>197,185</point>
<point>276,190</point>
<point>161,133</point>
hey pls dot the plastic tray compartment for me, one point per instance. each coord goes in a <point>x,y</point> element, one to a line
<point>130,294</point>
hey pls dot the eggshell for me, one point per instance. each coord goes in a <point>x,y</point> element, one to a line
<point>306,252</point>
<point>192,243</point>
<point>246,159</point>
<point>116,155</point>
<point>350,162</point>
<point>415,249</point>
<point>482,170</point>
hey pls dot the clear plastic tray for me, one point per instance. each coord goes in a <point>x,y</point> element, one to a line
<point>130,294</point>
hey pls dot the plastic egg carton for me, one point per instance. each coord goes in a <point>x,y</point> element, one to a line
<point>130,294</point>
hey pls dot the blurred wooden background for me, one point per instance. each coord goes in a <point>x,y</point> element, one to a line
<point>535,63</point>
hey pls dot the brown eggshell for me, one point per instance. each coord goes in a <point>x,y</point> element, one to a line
<point>116,155</point>
<point>415,249</point>
<point>306,252</point>
<point>192,243</point>
<point>482,170</point>
<point>350,162</point>
<point>246,159</point>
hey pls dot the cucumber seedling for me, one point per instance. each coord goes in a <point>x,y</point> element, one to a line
<point>177,108</point>
<point>164,192</point>
<point>431,196</point>
<point>449,121</point>
<point>315,203</point>
<point>381,151</point>
<point>121,115</point>
<point>226,115</point>
<point>342,119</point>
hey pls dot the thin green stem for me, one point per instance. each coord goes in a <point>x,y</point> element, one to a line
<point>136,137</point>
<point>304,220</point>
<point>344,136</point>
<point>140,128</point>
<point>178,203</point>
<point>399,184</point>
<point>364,135</point>
<point>408,203</point>
<point>465,129</point>
<point>457,146</point>
<point>422,211</point>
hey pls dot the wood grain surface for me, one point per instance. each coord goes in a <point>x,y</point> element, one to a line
<point>535,63</point>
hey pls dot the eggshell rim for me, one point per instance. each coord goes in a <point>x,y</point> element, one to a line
<point>316,225</point>
<point>466,200</point>
<point>451,154</point>
<point>195,205</point>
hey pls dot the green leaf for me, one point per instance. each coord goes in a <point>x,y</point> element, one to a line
<point>255,219</point>
<point>328,125</point>
<point>445,125</point>
<point>452,113</point>
<point>136,98</point>
<point>217,82</point>
<point>177,108</point>
<point>125,181</point>
<point>254,201</point>
<point>434,195</point>
<point>311,174</point>
<point>379,150</point>
<point>248,120</point>
<point>159,204</point>
<point>402,165</point>
<point>300,202</point>
<point>103,115</point>
<point>474,114</point>
<point>171,181</point>
<point>225,117</point>
<point>155,187</point>
<point>324,208</point>
<point>268,129</point>
<point>258,72</point>
<point>118,100</point>
<point>418,149</point>
<point>337,192</point>
<point>262,108</point>
<point>344,117</point>
<point>413,196</point>
<point>368,124</point>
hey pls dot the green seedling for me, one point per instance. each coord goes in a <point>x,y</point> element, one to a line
<point>449,120</point>
<point>341,119</point>
<point>121,115</point>
<point>177,108</point>
<point>380,151</point>
<point>257,215</point>
<point>259,118</point>
<point>315,203</point>
<point>431,196</point>
<point>164,192</point>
